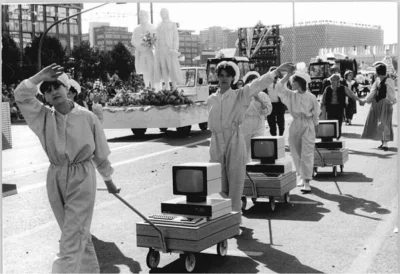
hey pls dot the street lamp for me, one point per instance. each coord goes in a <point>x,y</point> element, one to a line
<point>55,23</point>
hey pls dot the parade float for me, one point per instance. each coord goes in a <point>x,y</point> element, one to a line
<point>180,108</point>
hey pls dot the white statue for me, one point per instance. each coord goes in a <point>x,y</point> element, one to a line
<point>144,57</point>
<point>167,66</point>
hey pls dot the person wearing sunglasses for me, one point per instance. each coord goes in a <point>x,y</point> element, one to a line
<point>75,144</point>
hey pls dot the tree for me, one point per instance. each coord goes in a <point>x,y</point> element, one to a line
<point>52,51</point>
<point>123,60</point>
<point>85,59</point>
<point>11,70</point>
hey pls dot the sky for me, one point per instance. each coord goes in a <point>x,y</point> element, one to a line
<point>232,15</point>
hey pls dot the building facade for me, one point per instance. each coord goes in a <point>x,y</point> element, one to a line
<point>105,37</point>
<point>93,25</point>
<point>304,41</point>
<point>189,47</point>
<point>25,21</point>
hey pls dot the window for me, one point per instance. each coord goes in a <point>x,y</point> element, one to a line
<point>50,13</point>
<point>100,42</point>
<point>63,28</point>
<point>117,36</point>
<point>109,36</point>
<point>109,42</point>
<point>189,76</point>
<point>202,74</point>
<point>26,12</point>
<point>74,29</point>
<point>100,36</point>
<point>13,12</point>
<point>62,13</point>
<point>39,12</point>
<point>14,25</point>
<point>26,26</point>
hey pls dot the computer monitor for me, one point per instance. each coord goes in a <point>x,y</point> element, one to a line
<point>196,180</point>
<point>327,130</point>
<point>267,149</point>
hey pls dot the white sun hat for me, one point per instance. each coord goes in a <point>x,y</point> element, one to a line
<point>301,71</point>
<point>234,66</point>
<point>250,73</point>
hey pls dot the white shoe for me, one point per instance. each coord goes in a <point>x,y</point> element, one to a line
<point>300,183</point>
<point>306,188</point>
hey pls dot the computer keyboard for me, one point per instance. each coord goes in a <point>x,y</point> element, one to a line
<point>177,220</point>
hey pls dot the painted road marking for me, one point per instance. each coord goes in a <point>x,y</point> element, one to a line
<point>116,164</point>
<point>16,173</point>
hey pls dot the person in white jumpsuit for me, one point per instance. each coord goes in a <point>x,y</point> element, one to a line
<point>305,110</point>
<point>226,112</point>
<point>75,144</point>
<point>254,120</point>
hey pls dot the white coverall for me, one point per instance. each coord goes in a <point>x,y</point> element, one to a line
<point>226,114</point>
<point>254,120</point>
<point>305,111</point>
<point>75,145</point>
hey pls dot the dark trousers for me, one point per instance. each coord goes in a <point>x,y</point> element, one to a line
<point>335,112</point>
<point>277,117</point>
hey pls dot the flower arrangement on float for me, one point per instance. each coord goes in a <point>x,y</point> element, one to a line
<point>149,97</point>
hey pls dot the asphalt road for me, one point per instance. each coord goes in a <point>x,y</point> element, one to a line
<point>346,225</point>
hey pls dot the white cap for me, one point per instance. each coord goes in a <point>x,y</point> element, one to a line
<point>250,73</point>
<point>62,79</point>
<point>75,84</point>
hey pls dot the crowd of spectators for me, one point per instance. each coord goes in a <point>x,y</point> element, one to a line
<point>85,93</point>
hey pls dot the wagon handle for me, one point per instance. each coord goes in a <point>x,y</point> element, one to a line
<point>253,186</point>
<point>161,236</point>
<point>322,158</point>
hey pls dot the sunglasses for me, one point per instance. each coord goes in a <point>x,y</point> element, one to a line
<point>45,87</point>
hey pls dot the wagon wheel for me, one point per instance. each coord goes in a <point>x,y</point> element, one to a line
<point>139,131</point>
<point>222,248</point>
<point>254,200</point>
<point>203,126</point>
<point>190,262</point>
<point>286,197</point>
<point>315,171</point>
<point>272,202</point>
<point>244,203</point>
<point>341,168</point>
<point>152,258</point>
<point>334,171</point>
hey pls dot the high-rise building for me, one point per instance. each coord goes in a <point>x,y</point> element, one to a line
<point>25,21</point>
<point>304,42</point>
<point>230,38</point>
<point>212,38</point>
<point>106,37</point>
<point>189,47</point>
<point>93,25</point>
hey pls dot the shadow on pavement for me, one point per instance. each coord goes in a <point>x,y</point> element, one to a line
<point>382,155</point>
<point>134,139</point>
<point>211,263</point>
<point>109,255</point>
<point>299,208</point>
<point>324,174</point>
<point>349,204</point>
<point>274,259</point>
<point>351,135</point>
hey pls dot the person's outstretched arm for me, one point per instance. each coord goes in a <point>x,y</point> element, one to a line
<point>25,96</point>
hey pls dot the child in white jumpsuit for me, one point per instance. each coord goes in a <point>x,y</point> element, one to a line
<point>305,110</point>
<point>254,120</point>
<point>226,112</point>
<point>75,144</point>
